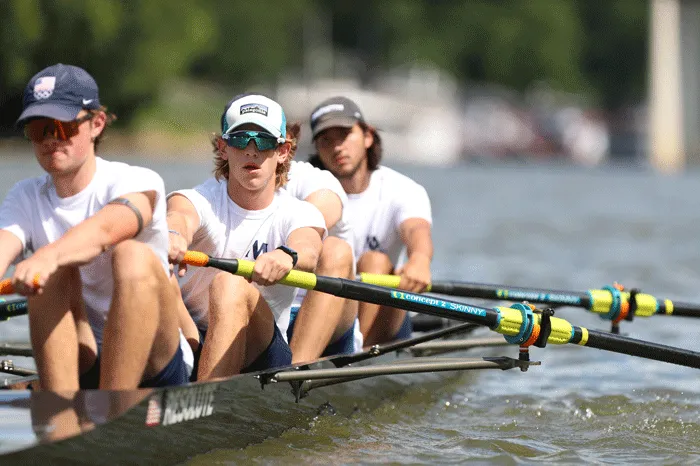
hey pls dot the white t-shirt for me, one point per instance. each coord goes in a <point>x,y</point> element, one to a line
<point>35,213</point>
<point>229,231</point>
<point>377,213</point>
<point>305,179</point>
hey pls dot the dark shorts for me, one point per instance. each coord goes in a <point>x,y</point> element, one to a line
<point>174,373</point>
<point>405,330</point>
<point>277,354</point>
<point>343,345</point>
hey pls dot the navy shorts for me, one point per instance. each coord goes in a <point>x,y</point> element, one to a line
<point>277,354</point>
<point>406,329</point>
<point>174,373</point>
<point>343,345</point>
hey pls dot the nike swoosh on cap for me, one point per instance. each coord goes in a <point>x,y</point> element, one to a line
<point>87,101</point>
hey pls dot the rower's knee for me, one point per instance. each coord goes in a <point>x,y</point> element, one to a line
<point>134,262</point>
<point>336,258</point>
<point>375,262</point>
<point>233,287</point>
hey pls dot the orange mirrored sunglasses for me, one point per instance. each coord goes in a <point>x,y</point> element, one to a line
<point>37,130</point>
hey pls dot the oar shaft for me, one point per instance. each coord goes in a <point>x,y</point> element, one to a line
<point>644,349</point>
<point>13,308</point>
<point>682,309</point>
<point>513,293</point>
<point>599,301</point>
<point>511,322</point>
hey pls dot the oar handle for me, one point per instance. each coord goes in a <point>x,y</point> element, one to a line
<point>244,268</point>
<point>6,287</point>
<point>389,281</point>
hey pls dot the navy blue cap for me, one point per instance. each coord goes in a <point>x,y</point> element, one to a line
<point>60,92</point>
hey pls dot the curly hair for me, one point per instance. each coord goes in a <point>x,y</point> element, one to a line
<point>110,117</point>
<point>282,170</point>
<point>374,152</point>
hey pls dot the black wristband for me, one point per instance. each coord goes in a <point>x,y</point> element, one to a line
<point>292,253</point>
<point>134,209</point>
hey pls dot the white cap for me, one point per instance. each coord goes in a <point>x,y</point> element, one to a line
<point>256,109</point>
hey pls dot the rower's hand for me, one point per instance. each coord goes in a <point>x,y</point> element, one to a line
<point>176,253</point>
<point>415,274</point>
<point>32,274</point>
<point>271,267</point>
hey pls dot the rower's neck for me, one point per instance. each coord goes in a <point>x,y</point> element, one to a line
<point>71,183</point>
<point>251,200</point>
<point>357,182</point>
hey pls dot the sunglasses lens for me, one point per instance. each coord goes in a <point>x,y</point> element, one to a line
<point>239,142</point>
<point>263,141</point>
<point>37,130</point>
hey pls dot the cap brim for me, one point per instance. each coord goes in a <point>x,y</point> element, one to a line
<point>49,110</point>
<point>336,122</point>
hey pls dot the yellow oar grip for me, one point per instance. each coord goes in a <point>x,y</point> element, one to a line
<point>196,258</point>
<point>602,300</point>
<point>389,281</point>
<point>512,319</point>
<point>669,306</point>
<point>295,278</point>
<point>646,304</point>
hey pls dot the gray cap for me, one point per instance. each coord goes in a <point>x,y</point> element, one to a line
<point>335,112</point>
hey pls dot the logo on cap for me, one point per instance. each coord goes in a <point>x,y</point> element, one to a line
<point>327,109</point>
<point>254,108</point>
<point>44,86</point>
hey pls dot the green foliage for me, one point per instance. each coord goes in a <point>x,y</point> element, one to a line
<point>137,48</point>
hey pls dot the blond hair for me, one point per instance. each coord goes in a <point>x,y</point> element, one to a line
<point>282,170</point>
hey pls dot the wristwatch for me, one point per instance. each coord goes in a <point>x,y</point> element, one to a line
<point>292,253</point>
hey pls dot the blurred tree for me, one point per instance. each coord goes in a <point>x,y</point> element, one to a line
<point>253,42</point>
<point>595,47</point>
<point>131,48</point>
<point>614,57</point>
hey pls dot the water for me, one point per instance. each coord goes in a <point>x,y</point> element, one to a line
<point>540,226</point>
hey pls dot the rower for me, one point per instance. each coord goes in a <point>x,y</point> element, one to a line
<point>388,211</point>
<point>101,311</point>
<point>242,213</point>
<point>322,324</point>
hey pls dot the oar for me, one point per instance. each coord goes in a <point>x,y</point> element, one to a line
<point>518,324</point>
<point>610,302</point>
<point>14,307</point>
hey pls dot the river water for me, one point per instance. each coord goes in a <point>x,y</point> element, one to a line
<point>550,226</point>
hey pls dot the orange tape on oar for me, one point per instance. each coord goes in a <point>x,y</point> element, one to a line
<point>6,287</point>
<point>196,258</point>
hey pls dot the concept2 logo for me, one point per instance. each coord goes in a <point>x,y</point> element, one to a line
<point>533,296</point>
<point>434,302</point>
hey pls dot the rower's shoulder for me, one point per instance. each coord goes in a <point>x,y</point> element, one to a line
<point>121,171</point>
<point>30,184</point>
<point>393,179</point>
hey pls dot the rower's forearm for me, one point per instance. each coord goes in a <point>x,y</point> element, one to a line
<point>83,243</point>
<point>178,221</point>
<point>420,243</point>
<point>10,248</point>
